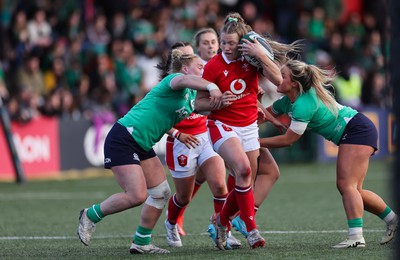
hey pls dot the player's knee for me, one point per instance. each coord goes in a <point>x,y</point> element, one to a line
<point>183,201</point>
<point>275,175</point>
<point>246,171</point>
<point>159,195</point>
<point>344,187</point>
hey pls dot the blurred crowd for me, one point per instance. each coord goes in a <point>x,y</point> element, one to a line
<point>95,59</point>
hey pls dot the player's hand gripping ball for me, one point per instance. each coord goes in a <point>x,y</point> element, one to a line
<point>267,48</point>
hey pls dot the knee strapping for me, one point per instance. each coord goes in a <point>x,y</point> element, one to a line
<point>159,195</point>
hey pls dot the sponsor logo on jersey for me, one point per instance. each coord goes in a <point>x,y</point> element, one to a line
<point>238,86</point>
<point>194,116</point>
<point>226,73</point>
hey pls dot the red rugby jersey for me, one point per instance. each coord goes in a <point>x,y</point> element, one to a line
<point>241,79</point>
<point>194,124</point>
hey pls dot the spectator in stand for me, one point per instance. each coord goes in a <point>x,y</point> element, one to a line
<point>373,90</point>
<point>39,32</point>
<point>74,63</point>
<point>98,35</point>
<point>348,86</point>
<point>140,28</point>
<point>148,61</point>
<point>103,95</point>
<point>19,39</point>
<point>130,78</point>
<point>119,27</point>
<point>355,27</point>
<point>24,105</point>
<point>82,104</point>
<point>316,26</point>
<point>55,78</point>
<point>74,26</point>
<point>30,76</point>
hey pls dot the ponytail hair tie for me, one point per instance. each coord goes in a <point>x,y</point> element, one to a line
<point>232,19</point>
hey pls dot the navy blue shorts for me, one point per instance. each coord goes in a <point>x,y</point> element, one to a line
<point>360,130</point>
<point>120,148</point>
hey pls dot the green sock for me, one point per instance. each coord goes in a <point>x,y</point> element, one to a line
<point>385,212</point>
<point>94,213</point>
<point>142,236</point>
<point>355,227</point>
<point>355,222</point>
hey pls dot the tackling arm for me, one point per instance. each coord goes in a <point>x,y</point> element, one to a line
<point>284,140</point>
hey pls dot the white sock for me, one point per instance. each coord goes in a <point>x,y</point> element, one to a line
<point>355,232</point>
<point>391,216</point>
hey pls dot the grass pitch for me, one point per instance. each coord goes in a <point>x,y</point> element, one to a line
<point>301,219</point>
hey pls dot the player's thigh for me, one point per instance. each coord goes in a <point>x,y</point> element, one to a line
<point>153,171</point>
<point>130,178</point>
<point>214,169</point>
<point>232,152</point>
<point>352,163</point>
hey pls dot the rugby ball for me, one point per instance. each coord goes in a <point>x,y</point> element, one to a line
<point>267,48</point>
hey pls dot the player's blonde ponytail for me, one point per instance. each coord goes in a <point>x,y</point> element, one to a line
<point>308,76</point>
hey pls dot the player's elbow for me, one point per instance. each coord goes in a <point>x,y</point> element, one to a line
<point>277,80</point>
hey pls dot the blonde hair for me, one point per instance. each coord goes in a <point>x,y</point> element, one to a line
<point>281,50</point>
<point>308,76</point>
<point>179,59</point>
<point>234,23</point>
<point>199,33</point>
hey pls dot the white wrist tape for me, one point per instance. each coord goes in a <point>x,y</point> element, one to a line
<point>175,133</point>
<point>211,87</point>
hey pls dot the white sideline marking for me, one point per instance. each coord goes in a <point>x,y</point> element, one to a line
<point>51,196</point>
<point>163,235</point>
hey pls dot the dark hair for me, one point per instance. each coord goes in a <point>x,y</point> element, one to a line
<point>165,64</point>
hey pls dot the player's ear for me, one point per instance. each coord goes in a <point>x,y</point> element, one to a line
<point>185,69</point>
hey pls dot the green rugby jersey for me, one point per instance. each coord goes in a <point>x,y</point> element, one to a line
<point>158,112</point>
<point>309,109</point>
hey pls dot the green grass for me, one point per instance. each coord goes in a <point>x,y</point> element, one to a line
<point>301,219</point>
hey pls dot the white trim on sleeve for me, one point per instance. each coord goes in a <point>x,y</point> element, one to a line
<point>298,127</point>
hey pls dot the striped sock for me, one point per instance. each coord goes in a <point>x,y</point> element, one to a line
<point>219,203</point>
<point>94,213</point>
<point>142,236</point>
<point>245,201</point>
<point>355,227</point>
<point>387,215</point>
